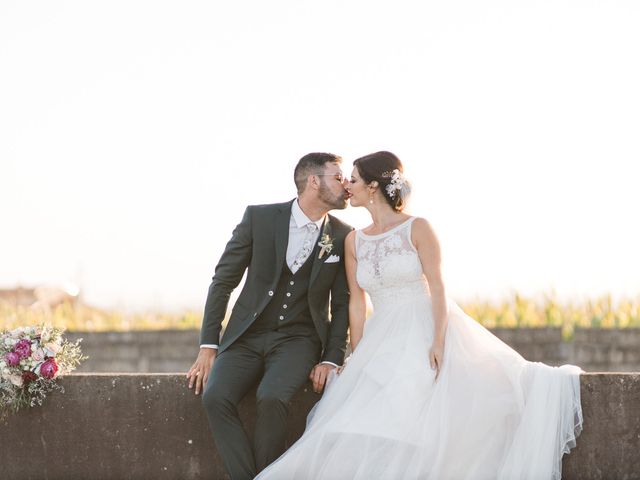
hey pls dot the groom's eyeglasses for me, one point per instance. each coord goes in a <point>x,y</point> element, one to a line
<point>338,176</point>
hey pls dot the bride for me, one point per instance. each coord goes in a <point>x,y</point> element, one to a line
<point>428,393</point>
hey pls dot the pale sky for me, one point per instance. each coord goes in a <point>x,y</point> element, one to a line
<point>134,133</point>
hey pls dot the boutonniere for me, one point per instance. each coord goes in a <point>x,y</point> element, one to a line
<point>325,244</point>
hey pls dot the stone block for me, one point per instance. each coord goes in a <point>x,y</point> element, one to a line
<point>550,335</point>
<point>616,356</point>
<point>608,447</point>
<point>632,356</point>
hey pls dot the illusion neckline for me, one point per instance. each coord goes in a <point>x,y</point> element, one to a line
<point>380,235</point>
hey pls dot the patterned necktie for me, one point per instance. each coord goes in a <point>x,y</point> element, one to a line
<point>307,247</point>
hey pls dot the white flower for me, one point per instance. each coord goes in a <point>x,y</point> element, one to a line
<point>17,333</point>
<point>397,182</point>
<point>46,335</point>
<point>16,380</point>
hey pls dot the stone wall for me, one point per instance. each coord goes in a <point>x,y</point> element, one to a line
<point>607,350</point>
<point>152,427</point>
<point>159,351</point>
<point>536,344</point>
<point>595,350</point>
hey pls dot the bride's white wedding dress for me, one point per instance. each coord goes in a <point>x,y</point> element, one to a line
<point>490,415</point>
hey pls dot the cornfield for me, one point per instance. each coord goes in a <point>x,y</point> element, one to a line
<point>84,318</point>
<point>518,311</point>
<point>511,313</point>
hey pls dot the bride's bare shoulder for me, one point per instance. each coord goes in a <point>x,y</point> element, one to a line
<point>421,223</point>
<point>422,232</point>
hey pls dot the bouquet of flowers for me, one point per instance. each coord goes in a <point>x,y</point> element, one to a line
<point>31,358</point>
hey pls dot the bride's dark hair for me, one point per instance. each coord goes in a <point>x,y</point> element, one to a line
<point>379,167</point>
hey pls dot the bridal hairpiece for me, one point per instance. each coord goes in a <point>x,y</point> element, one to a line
<point>398,183</point>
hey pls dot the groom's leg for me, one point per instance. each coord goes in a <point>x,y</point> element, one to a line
<point>287,367</point>
<point>234,372</point>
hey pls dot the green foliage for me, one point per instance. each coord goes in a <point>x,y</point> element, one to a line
<point>513,312</point>
<point>550,312</point>
<point>82,318</point>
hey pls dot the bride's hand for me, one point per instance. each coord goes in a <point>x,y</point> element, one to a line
<point>344,364</point>
<point>436,355</point>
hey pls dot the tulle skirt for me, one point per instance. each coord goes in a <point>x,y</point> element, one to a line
<point>489,415</point>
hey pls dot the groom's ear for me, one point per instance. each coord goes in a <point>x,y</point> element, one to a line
<point>313,181</point>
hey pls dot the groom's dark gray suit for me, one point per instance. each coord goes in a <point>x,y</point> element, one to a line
<point>282,324</point>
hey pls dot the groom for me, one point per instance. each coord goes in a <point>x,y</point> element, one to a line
<point>281,330</point>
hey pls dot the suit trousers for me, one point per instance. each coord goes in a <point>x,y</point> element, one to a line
<point>279,363</point>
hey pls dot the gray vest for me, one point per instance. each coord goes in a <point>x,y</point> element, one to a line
<point>288,309</point>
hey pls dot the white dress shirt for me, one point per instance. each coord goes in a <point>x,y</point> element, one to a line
<point>297,234</point>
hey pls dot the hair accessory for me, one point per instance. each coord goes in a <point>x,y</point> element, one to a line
<point>398,182</point>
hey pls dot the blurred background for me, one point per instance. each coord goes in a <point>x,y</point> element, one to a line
<point>134,133</point>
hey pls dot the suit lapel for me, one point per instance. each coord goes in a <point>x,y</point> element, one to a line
<point>317,262</point>
<point>282,220</point>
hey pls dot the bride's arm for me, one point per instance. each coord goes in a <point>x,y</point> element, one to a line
<point>357,303</point>
<point>426,242</point>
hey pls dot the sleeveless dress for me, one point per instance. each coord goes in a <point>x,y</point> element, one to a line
<point>490,415</point>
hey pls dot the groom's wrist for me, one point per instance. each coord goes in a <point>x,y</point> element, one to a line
<point>326,362</point>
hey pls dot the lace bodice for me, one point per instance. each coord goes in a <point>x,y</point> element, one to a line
<point>388,265</point>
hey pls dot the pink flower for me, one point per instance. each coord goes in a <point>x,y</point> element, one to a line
<point>38,355</point>
<point>23,348</point>
<point>49,368</point>
<point>53,348</point>
<point>12,358</point>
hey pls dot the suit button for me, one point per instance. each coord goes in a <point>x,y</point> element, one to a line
<point>281,317</point>
<point>284,306</point>
<point>271,293</point>
<point>288,294</point>
<point>291,282</point>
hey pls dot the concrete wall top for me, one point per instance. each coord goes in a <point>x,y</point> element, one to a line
<point>150,426</point>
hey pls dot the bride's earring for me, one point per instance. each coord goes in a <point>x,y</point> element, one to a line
<point>373,185</point>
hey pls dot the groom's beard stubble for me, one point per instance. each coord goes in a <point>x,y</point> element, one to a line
<point>332,200</point>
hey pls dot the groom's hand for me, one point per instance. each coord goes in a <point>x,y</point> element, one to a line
<point>319,375</point>
<point>199,372</point>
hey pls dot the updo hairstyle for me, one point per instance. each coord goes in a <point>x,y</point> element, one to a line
<point>386,169</point>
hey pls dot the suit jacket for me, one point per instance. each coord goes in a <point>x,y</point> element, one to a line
<point>259,244</point>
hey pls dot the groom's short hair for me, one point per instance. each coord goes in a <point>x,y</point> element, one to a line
<point>310,164</point>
